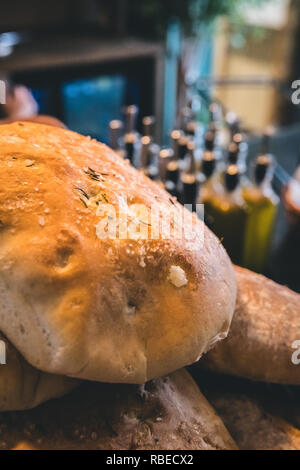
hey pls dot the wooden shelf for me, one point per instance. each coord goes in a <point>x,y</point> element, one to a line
<point>75,51</point>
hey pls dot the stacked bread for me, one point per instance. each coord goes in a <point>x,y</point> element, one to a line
<point>116,318</point>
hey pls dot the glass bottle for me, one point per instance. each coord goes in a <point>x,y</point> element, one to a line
<point>182,151</point>
<point>189,189</point>
<point>145,156</point>
<point>165,156</point>
<point>115,128</point>
<point>148,131</point>
<point>211,185</point>
<point>262,204</point>
<point>175,137</point>
<point>172,173</point>
<point>131,113</point>
<point>148,126</point>
<point>130,144</point>
<point>229,215</point>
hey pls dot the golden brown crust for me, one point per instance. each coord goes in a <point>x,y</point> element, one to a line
<point>40,118</point>
<point>265,325</point>
<point>23,387</point>
<point>103,310</point>
<point>168,413</point>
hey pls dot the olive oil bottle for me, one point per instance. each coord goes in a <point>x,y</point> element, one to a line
<point>262,204</point>
<point>229,215</point>
<point>115,129</point>
<point>232,158</point>
<point>212,184</point>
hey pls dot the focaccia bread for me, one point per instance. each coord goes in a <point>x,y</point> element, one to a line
<point>168,413</point>
<point>23,387</point>
<point>77,304</point>
<point>263,334</point>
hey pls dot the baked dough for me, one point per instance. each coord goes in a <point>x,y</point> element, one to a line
<point>167,414</point>
<point>23,387</point>
<point>263,334</point>
<point>105,310</point>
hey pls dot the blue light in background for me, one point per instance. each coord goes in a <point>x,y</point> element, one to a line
<point>90,104</point>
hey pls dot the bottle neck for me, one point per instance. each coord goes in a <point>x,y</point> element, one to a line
<point>233,197</point>
<point>265,189</point>
<point>208,165</point>
<point>232,182</point>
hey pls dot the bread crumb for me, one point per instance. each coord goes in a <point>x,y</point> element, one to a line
<point>177,276</point>
<point>41,221</point>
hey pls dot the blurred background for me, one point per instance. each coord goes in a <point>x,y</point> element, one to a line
<point>199,94</point>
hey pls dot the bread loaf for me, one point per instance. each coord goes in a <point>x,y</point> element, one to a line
<point>252,427</point>
<point>23,387</point>
<point>40,118</point>
<point>75,304</point>
<point>168,413</point>
<point>259,416</point>
<point>263,334</point>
